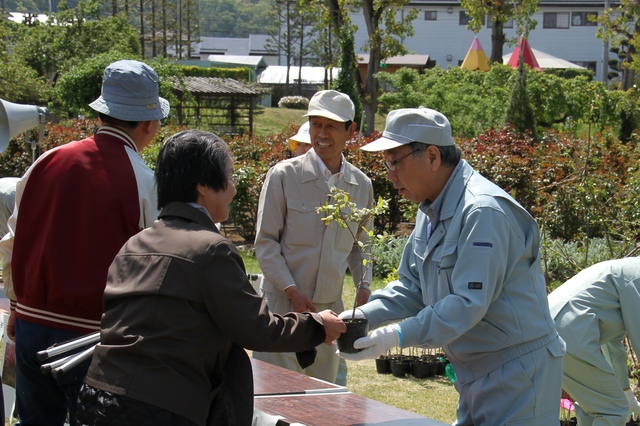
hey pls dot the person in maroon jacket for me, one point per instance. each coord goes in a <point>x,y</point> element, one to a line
<point>75,207</point>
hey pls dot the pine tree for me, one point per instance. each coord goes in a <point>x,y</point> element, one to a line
<point>519,113</point>
<point>346,81</point>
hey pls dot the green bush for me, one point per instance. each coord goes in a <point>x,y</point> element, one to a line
<point>386,252</point>
<point>238,73</point>
<point>576,188</point>
<point>477,101</point>
<point>293,102</point>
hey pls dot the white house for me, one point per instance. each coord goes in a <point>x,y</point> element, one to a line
<point>563,31</point>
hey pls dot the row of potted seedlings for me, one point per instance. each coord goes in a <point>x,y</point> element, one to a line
<point>418,363</point>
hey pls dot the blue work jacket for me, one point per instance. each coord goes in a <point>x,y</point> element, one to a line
<point>476,288</point>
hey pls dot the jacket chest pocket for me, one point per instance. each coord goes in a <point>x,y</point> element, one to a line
<point>440,271</point>
<point>303,223</point>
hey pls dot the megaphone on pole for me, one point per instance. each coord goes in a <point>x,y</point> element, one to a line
<point>17,118</point>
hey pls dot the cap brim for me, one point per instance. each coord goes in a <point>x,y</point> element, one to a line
<point>300,139</point>
<point>382,144</point>
<point>327,114</point>
<point>132,112</point>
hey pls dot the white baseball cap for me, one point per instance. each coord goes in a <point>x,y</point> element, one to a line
<point>408,125</point>
<point>331,104</point>
<point>302,136</point>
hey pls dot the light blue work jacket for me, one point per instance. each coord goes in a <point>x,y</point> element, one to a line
<point>476,287</point>
<point>596,308</point>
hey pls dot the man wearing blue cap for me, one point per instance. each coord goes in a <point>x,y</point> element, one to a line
<point>75,207</point>
<point>470,281</point>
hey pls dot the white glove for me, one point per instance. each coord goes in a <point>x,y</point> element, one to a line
<point>377,343</point>
<point>634,406</point>
<point>347,314</point>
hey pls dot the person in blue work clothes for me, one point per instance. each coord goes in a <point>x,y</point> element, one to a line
<point>470,281</point>
<point>593,311</point>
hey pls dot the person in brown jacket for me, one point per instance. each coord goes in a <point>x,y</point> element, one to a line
<point>179,309</point>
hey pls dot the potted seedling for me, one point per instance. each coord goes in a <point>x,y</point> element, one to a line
<point>346,214</point>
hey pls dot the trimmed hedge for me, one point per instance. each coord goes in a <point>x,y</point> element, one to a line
<point>239,73</point>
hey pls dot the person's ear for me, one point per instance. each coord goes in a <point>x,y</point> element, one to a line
<point>201,190</point>
<point>433,153</point>
<point>352,129</point>
<point>147,127</point>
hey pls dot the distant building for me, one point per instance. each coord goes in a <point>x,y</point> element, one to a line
<point>307,79</point>
<point>21,17</point>
<point>563,31</point>
<point>254,45</point>
<point>393,64</point>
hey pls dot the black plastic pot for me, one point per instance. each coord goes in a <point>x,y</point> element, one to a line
<point>356,328</point>
<point>421,369</point>
<point>399,367</point>
<point>382,365</point>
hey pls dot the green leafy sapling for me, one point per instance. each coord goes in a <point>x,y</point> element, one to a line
<point>342,211</point>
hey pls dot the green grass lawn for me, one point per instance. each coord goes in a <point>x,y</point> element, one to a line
<point>273,120</point>
<point>435,398</point>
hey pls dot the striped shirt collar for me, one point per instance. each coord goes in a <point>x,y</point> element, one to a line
<point>120,134</point>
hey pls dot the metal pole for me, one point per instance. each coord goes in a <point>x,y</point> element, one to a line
<point>58,349</point>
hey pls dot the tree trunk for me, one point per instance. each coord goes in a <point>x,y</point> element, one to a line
<point>627,73</point>
<point>497,42</point>
<point>142,27</point>
<point>370,98</point>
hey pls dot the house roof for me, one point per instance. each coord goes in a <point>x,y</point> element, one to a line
<point>219,86</point>
<point>405,60</point>
<point>255,44</point>
<point>251,61</point>
<point>277,74</point>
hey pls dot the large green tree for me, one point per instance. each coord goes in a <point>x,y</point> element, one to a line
<point>297,25</point>
<point>19,82</point>
<point>324,45</point>
<point>71,36</point>
<point>620,27</point>
<point>386,32</point>
<point>235,18</point>
<point>346,81</point>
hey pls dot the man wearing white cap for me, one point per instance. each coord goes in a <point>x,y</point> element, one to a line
<point>300,143</point>
<point>303,260</point>
<point>470,281</point>
<point>75,207</point>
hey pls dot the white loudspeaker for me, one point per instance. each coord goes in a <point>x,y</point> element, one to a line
<point>16,118</point>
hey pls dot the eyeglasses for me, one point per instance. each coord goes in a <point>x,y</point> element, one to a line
<point>234,179</point>
<point>391,165</point>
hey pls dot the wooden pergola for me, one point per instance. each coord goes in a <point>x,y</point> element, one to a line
<point>222,105</point>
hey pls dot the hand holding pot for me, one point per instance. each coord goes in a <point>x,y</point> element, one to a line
<point>345,315</point>
<point>377,343</point>
<point>333,326</point>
